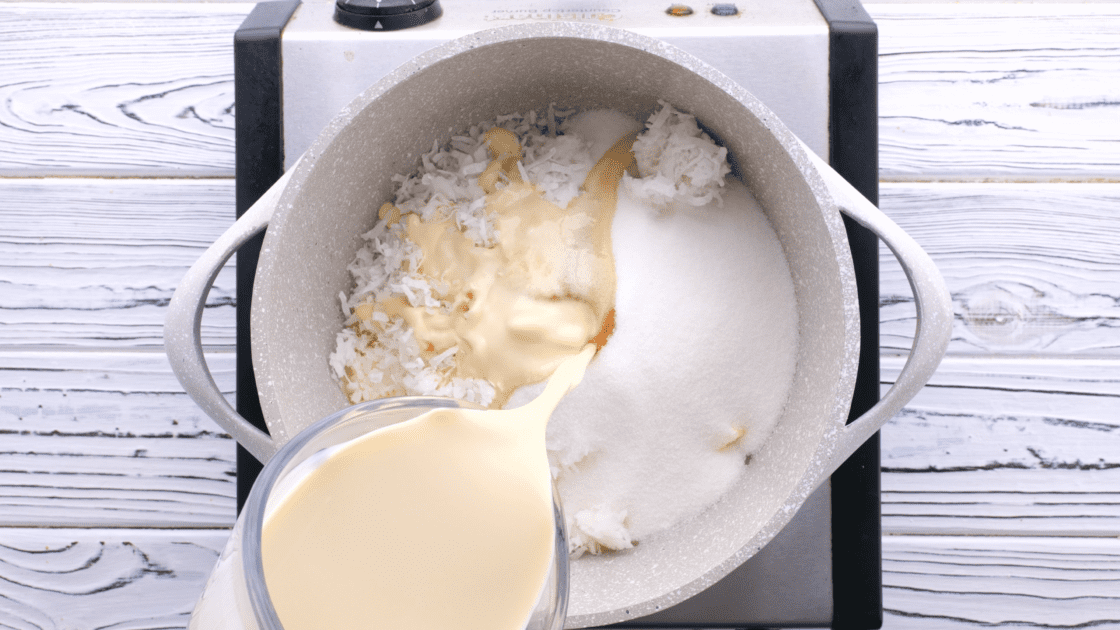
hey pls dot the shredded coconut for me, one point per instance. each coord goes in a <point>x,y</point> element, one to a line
<point>677,162</point>
<point>598,529</point>
<point>371,362</point>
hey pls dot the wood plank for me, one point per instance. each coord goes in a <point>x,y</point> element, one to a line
<point>938,582</point>
<point>107,89</point>
<point>991,446</point>
<point>148,579</point>
<point>1001,446</point>
<point>998,91</point>
<point>1033,268</point>
<point>89,263</point>
<point>110,440</point>
<point>126,579</point>
<point>967,91</point>
<point>94,262</point>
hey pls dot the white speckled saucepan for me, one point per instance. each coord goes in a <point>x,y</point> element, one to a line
<point>316,213</point>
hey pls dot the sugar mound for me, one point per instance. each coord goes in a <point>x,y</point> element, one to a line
<point>600,128</point>
<point>691,382</point>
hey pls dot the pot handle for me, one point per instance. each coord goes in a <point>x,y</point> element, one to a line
<point>182,327</point>
<point>934,306</point>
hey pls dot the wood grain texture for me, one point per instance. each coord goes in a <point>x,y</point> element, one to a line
<point>1034,269</point>
<point>967,91</point>
<point>998,91</point>
<point>110,440</point>
<point>94,262</point>
<point>148,579</point>
<point>1006,446</point>
<point>104,89</point>
<point>1007,464</point>
<point>939,583</point>
<point>990,446</point>
<point>61,579</point>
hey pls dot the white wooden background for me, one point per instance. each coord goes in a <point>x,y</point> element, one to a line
<point>1000,154</point>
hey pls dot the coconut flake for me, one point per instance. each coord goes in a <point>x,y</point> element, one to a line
<point>677,162</point>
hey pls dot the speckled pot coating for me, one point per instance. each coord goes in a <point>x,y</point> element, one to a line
<point>341,181</point>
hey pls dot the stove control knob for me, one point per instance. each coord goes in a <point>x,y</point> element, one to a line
<point>385,15</point>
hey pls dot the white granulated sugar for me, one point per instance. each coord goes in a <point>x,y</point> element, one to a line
<point>600,129</point>
<point>704,346</point>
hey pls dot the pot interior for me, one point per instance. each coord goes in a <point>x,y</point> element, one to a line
<point>339,184</point>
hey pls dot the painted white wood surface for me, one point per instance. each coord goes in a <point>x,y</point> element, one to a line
<point>995,91</point>
<point>1018,287</point>
<point>1001,485</point>
<point>997,446</point>
<point>109,439</point>
<point>943,583</point>
<point>930,582</point>
<point>92,263</point>
<point>70,579</point>
<point>1033,268</point>
<point>122,90</point>
<point>991,446</point>
<point>980,91</point>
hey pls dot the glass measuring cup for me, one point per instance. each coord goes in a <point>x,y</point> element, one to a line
<point>237,597</point>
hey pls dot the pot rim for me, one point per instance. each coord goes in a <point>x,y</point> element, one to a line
<point>793,147</point>
<point>843,381</point>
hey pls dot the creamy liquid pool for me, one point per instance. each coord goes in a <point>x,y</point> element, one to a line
<point>443,521</point>
<point>543,292</point>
